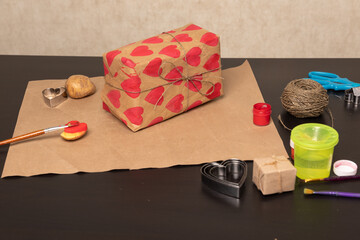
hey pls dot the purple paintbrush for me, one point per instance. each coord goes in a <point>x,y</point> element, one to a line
<point>331,193</point>
<point>333,178</point>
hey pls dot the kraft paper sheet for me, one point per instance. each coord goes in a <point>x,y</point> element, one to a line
<point>217,130</point>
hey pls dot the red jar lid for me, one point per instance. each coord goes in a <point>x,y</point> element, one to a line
<point>262,109</point>
<point>261,114</point>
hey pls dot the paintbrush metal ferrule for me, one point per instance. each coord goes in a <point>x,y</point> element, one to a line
<point>52,129</point>
<point>69,124</point>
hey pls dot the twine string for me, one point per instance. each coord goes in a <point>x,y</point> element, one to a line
<point>327,109</point>
<point>304,98</point>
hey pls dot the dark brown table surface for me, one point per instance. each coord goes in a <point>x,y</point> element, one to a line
<point>171,203</point>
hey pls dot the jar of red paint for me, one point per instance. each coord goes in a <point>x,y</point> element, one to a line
<point>261,112</point>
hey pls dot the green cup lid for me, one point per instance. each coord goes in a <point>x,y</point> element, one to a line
<point>315,136</point>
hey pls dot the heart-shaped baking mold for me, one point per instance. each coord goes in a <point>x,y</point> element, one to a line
<point>226,177</point>
<point>54,96</point>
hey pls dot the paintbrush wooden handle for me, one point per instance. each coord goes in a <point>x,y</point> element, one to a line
<point>23,137</point>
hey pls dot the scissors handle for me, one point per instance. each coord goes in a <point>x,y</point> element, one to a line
<point>330,78</point>
<point>332,81</point>
<point>322,75</point>
<point>338,87</point>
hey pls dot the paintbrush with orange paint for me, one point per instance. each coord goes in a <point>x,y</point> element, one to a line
<point>69,125</point>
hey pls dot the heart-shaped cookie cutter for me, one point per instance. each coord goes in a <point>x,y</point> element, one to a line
<point>54,96</point>
<point>352,95</point>
<point>226,177</point>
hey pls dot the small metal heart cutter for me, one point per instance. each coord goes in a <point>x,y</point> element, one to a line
<point>352,95</point>
<point>54,96</point>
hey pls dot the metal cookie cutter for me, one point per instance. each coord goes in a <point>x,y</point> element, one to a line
<point>227,177</point>
<point>54,96</point>
<point>352,95</point>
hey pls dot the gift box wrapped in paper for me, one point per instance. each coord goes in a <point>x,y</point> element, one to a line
<point>155,79</point>
<point>274,174</point>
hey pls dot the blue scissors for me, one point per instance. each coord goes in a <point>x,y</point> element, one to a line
<point>332,81</point>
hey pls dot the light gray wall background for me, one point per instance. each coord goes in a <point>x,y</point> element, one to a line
<point>248,28</point>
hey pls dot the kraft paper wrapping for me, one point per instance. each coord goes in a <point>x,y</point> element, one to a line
<point>217,130</point>
<point>157,78</point>
<point>274,174</point>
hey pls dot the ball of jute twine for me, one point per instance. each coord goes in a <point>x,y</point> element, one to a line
<point>304,98</point>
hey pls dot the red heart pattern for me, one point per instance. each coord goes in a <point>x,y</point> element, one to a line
<point>153,40</point>
<point>191,85</point>
<point>114,97</point>
<point>128,62</point>
<point>141,51</point>
<point>170,51</point>
<point>123,121</point>
<point>106,107</point>
<point>155,121</point>
<point>193,56</point>
<point>111,55</point>
<point>192,27</point>
<point>152,69</point>
<point>195,104</point>
<point>213,62</point>
<point>210,39</point>
<point>175,104</point>
<point>215,93</point>
<point>134,115</point>
<point>174,74</point>
<point>154,96</point>
<point>184,37</point>
<point>132,84</point>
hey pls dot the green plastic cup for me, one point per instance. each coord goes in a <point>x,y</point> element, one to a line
<point>313,149</point>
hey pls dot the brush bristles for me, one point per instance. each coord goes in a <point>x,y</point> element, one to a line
<point>308,191</point>
<point>313,180</point>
